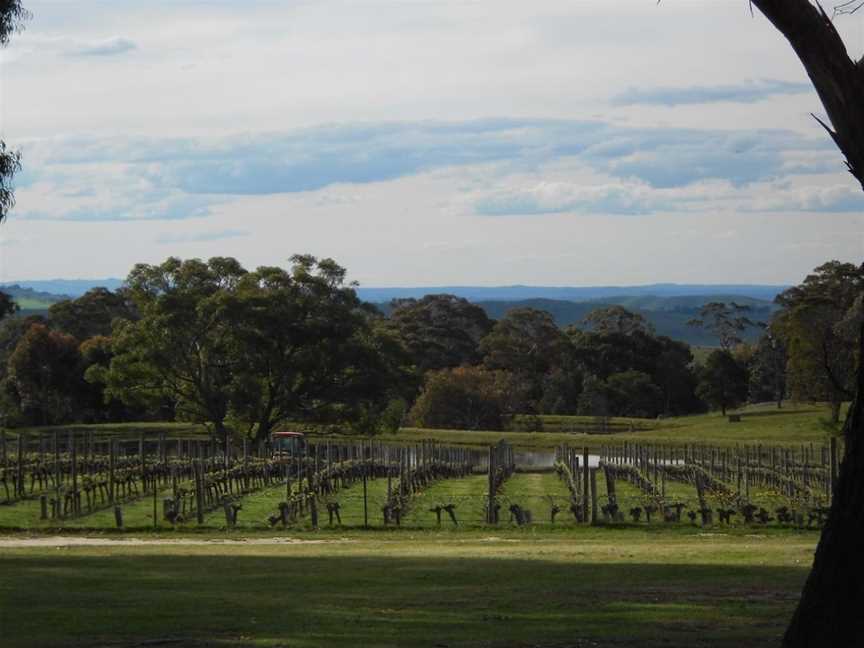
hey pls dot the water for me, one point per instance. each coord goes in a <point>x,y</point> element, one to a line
<point>545,459</point>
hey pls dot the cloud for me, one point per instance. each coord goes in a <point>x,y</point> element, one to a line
<point>557,197</point>
<point>109,47</point>
<point>121,178</point>
<point>532,197</point>
<point>749,92</point>
<point>201,237</point>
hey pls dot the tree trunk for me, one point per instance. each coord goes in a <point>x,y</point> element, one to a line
<point>833,597</point>
<point>837,78</point>
<point>835,410</point>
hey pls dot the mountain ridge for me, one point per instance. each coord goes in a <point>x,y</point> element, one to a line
<point>77,287</point>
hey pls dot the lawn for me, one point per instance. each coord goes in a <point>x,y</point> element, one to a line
<point>790,426</point>
<point>575,587</point>
<point>793,425</point>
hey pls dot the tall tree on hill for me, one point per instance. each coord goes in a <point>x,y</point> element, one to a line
<point>527,343</point>
<point>768,369</point>
<point>44,379</point>
<point>91,314</point>
<point>619,320</point>
<point>828,613</point>
<point>7,305</point>
<point>727,321</point>
<point>440,331</point>
<point>820,349</point>
<point>305,349</point>
<point>722,381</point>
<point>180,348</point>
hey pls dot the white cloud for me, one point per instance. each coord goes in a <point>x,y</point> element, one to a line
<point>108,47</point>
<point>628,193</point>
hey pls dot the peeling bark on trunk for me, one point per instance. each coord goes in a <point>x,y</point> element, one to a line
<point>833,597</point>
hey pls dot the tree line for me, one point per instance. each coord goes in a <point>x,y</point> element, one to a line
<point>215,343</point>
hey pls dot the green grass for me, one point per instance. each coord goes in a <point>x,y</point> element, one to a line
<point>790,426</point>
<point>469,494</point>
<point>793,425</point>
<point>671,588</point>
<point>537,492</point>
<point>29,303</point>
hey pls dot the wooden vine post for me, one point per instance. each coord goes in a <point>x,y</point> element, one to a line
<point>490,509</point>
<point>19,472</point>
<point>112,460</point>
<point>586,486</point>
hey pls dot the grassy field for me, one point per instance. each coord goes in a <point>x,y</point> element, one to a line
<point>792,425</point>
<point>586,587</point>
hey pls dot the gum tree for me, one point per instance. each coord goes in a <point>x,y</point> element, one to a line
<point>833,596</point>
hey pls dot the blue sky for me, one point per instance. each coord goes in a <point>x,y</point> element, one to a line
<point>423,143</point>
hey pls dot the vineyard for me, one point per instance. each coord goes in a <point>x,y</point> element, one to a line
<point>80,480</point>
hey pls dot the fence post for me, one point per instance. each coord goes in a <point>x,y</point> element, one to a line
<point>586,485</point>
<point>19,472</point>
<point>489,510</point>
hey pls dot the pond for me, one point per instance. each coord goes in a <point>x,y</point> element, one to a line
<point>545,459</point>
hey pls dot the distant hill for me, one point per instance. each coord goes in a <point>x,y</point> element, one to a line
<point>77,287</point>
<point>667,306</point>
<point>581,294</point>
<point>668,315</point>
<point>65,288</point>
<point>31,301</point>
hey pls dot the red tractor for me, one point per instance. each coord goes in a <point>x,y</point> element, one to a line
<point>287,443</point>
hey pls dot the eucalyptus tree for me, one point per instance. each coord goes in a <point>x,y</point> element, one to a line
<point>619,320</point>
<point>12,17</point>
<point>440,331</point>
<point>44,379</point>
<point>92,314</point>
<point>727,321</point>
<point>722,381</point>
<point>828,613</point>
<point>528,344</point>
<point>306,349</point>
<point>822,352</point>
<point>181,347</point>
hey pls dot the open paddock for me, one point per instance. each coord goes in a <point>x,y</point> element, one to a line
<point>599,587</point>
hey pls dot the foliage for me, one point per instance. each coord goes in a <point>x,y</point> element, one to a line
<point>727,321</point>
<point>10,164</point>
<point>305,349</point>
<point>180,348</point>
<point>439,331</point>
<point>815,327</point>
<point>7,305</point>
<point>619,320</point>
<point>722,381</point>
<point>12,17</point>
<point>768,370</point>
<point>667,363</point>
<point>469,398</point>
<point>524,341</point>
<point>529,345</point>
<point>92,314</point>
<point>632,393</point>
<point>44,381</point>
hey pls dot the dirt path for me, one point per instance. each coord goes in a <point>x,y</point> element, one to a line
<point>71,541</point>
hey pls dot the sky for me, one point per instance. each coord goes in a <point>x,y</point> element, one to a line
<point>423,142</point>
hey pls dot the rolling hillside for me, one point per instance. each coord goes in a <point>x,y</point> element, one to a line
<point>668,315</point>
